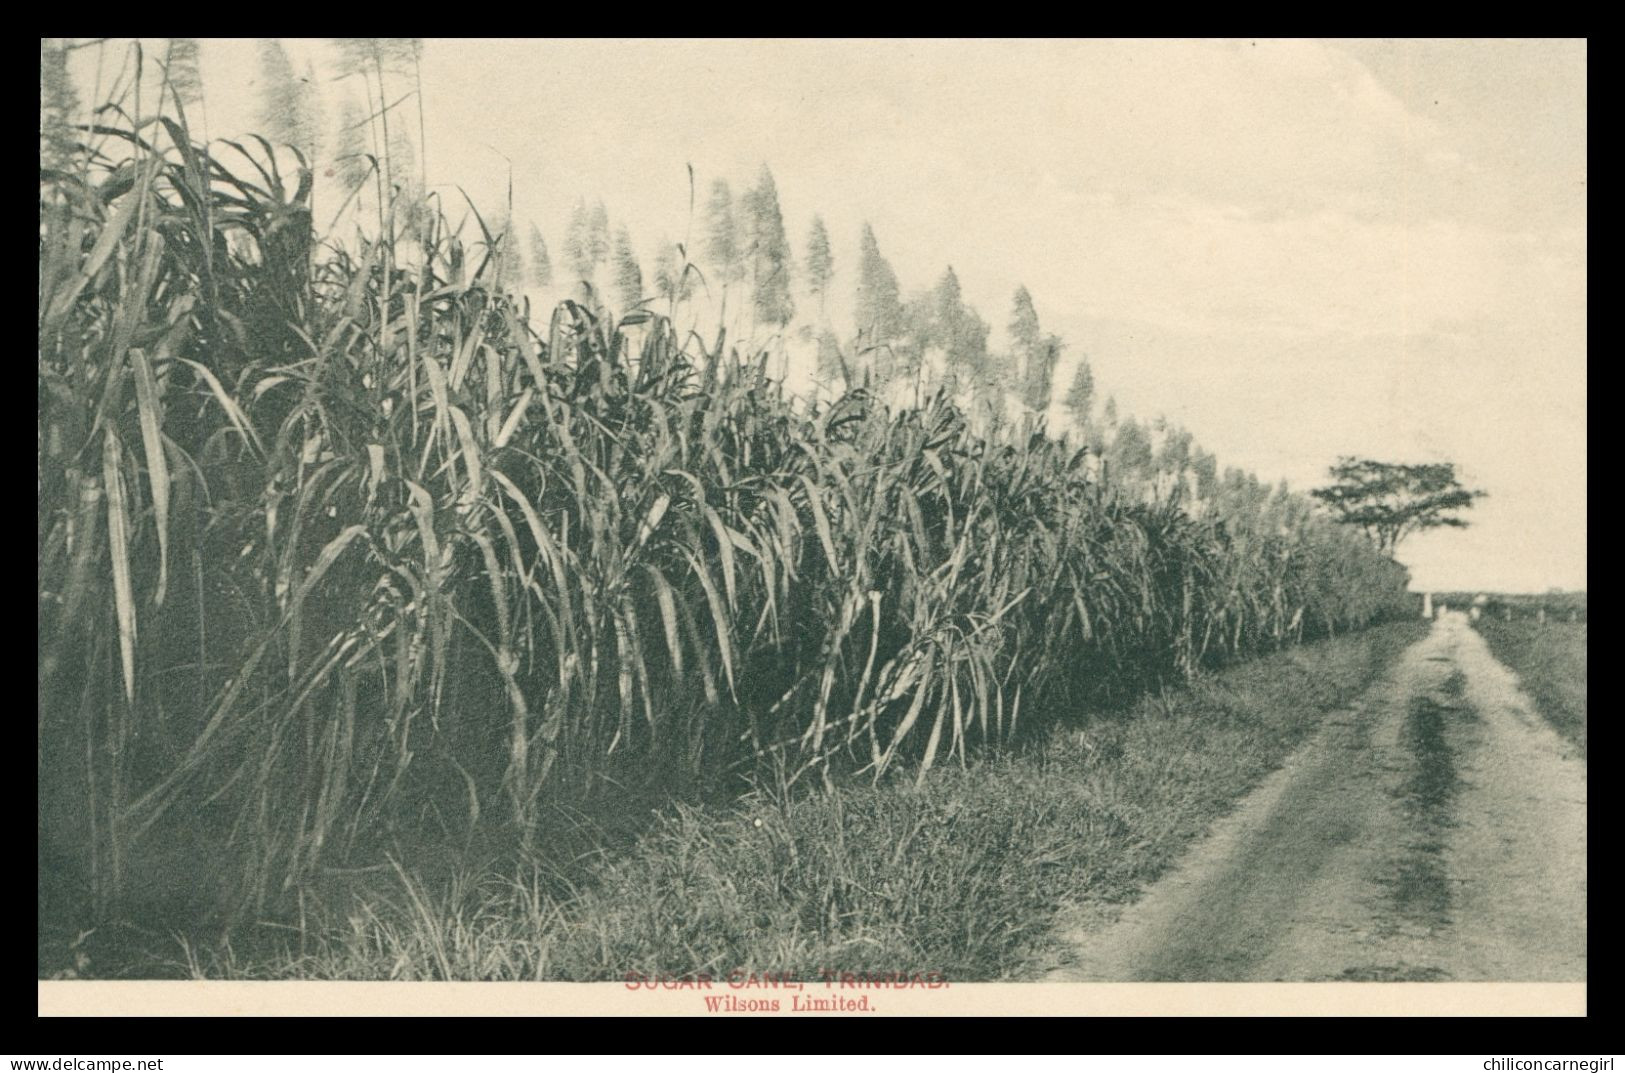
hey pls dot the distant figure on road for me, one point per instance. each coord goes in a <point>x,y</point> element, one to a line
<point>1427,605</point>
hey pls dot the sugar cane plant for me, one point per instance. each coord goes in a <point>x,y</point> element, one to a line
<point>337,540</point>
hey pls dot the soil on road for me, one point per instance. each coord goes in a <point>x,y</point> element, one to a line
<point>1433,831</point>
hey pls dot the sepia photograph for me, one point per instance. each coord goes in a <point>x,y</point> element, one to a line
<point>803,526</point>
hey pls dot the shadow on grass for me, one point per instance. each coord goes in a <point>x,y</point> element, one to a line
<point>961,876</point>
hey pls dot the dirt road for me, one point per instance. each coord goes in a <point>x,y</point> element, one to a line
<point>1433,831</point>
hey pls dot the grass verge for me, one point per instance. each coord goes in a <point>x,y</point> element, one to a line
<point>961,876</point>
<point>1550,660</point>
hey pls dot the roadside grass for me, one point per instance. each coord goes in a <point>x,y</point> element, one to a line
<point>962,875</point>
<point>339,543</point>
<point>1550,660</point>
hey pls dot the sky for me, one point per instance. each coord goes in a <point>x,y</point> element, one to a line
<point>1296,249</point>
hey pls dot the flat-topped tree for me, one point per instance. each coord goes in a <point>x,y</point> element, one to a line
<point>1390,501</point>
